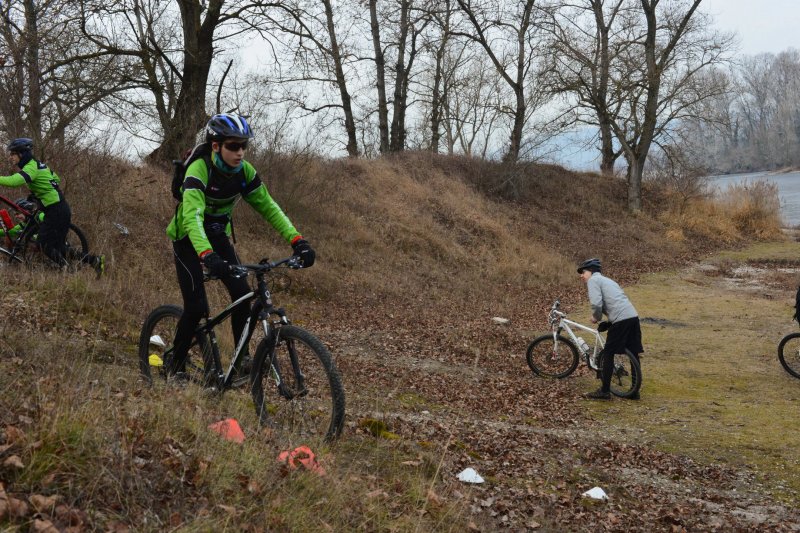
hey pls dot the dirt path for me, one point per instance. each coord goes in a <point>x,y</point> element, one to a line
<point>710,446</point>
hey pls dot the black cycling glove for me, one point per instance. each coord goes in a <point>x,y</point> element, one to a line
<point>304,251</point>
<point>216,265</point>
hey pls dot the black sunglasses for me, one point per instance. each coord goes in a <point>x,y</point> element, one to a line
<point>235,147</point>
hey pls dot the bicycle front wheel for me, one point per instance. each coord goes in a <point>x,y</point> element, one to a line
<point>296,388</point>
<point>789,354</point>
<point>156,345</point>
<point>626,378</point>
<point>552,359</point>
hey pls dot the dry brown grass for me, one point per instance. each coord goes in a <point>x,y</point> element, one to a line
<point>734,215</point>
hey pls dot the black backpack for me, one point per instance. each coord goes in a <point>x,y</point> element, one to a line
<point>179,167</point>
<point>797,306</point>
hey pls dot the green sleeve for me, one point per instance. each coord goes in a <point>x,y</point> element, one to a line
<point>271,211</point>
<point>191,211</point>
<point>193,208</point>
<point>14,180</point>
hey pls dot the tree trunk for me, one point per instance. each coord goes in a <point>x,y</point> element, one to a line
<point>635,171</point>
<point>515,142</point>
<point>34,83</point>
<point>380,83</point>
<point>341,82</point>
<point>397,134</point>
<point>190,106</point>
<point>607,155</point>
<point>437,97</point>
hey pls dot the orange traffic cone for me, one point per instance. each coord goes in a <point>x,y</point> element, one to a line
<point>302,456</point>
<point>228,429</point>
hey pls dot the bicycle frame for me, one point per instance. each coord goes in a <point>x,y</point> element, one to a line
<point>563,323</point>
<point>259,312</point>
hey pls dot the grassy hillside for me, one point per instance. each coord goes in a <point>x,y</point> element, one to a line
<point>415,255</point>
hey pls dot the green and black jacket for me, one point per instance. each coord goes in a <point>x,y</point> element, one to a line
<point>209,196</point>
<point>42,181</point>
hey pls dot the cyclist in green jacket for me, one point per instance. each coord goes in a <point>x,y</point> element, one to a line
<point>43,184</point>
<point>201,227</point>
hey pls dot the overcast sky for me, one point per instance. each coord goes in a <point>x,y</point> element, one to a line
<point>762,25</point>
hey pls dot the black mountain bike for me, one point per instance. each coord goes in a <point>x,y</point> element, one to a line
<point>294,382</point>
<point>24,247</point>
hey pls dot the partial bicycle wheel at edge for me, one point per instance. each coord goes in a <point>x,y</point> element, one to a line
<point>155,347</point>
<point>552,359</point>
<point>296,388</point>
<point>789,354</point>
<point>626,378</point>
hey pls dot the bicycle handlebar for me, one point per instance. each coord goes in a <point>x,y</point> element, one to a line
<point>244,270</point>
<point>240,271</point>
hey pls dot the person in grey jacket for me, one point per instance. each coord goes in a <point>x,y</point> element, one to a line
<point>606,297</point>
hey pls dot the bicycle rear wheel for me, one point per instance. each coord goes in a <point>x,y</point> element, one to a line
<point>156,344</point>
<point>77,246</point>
<point>626,379</point>
<point>296,388</point>
<point>789,354</point>
<point>552,359</point>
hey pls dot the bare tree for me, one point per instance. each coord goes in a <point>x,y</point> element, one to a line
<point>317,56</point>
<point>49,75</point>
<point>588,37</point>
<point>442,17</point>
<point>508,36</point>
<point>175,71</point>
<point>405,23</point>
<point>652,108</point>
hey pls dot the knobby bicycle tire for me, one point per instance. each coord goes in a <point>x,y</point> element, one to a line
<point>301,399</point>
<point>548,361</point>
<point>155,347</point>
<point>626,378</point>
<point>77,247</point>
<point>789,354</point>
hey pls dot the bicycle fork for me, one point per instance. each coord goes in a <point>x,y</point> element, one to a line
<point>276,373</point>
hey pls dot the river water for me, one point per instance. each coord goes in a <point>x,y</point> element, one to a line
<point>788,190</point>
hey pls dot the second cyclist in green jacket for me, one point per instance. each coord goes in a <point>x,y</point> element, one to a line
<point>44,186</point>
<point>201,228</point>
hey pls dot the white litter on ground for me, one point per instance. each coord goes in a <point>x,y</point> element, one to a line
<point>469,475</point>
<point>500,320</point>
<point>596,493</point>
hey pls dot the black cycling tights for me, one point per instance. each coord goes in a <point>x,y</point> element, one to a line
<point>53,231</point>
<point>195,302</point>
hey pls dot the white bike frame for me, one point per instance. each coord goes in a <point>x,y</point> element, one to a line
<point>566,325</point>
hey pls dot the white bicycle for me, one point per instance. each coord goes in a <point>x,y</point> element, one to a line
<point>556,356</point>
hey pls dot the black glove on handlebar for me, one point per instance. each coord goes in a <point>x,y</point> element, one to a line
<point>216,265</point>
<point>304,251</point>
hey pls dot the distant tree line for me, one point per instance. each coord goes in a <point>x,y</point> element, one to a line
<point>487,78</point>
<point>755,124</point>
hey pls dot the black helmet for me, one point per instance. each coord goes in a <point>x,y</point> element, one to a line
<point>21,145</point>
<point>592,265</point>
<point>227,125</point>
